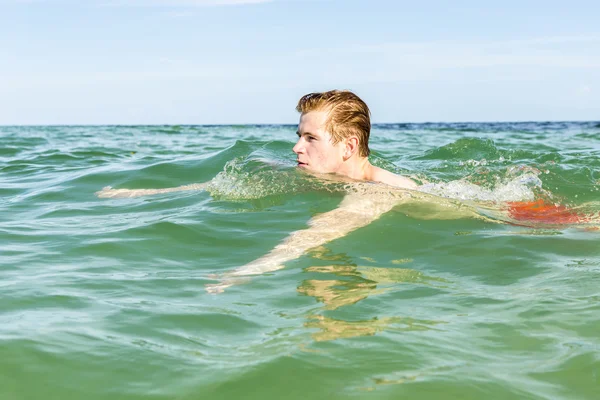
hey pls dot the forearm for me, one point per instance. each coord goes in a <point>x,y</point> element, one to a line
<point>319,233</point>
<point>323,228</point>
<point>355,211</point>
<point>109,192</point>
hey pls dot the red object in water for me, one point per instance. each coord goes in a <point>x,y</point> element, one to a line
<point>539,211</point>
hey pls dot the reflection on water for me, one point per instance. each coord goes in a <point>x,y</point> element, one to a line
<point>400,378</point>
<point>354,284</point>
<point>323,253</point>
<point>332,329</point>
<point>337,293</point>
<point>398,275</point>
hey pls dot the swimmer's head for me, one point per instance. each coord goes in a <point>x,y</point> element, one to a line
<point>346,115</point>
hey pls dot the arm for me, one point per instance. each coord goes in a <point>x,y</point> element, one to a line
<point>109,192</point>
<point>355,211</point>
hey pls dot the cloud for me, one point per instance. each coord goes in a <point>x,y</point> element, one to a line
<point>553,51</point>
<point>178,3</point>
<point>13,2</point>
<point>554,40</point>
<point>180,13</point>
<point>141,3</point>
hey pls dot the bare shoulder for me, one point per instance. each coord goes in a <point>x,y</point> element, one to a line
<point>389,178</point>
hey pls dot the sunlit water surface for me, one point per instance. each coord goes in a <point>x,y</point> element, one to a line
<point>105,298</point>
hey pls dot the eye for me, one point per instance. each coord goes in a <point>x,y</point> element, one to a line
<point>311,138</point>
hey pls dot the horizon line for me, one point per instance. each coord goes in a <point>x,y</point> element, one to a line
<point>295,124</point>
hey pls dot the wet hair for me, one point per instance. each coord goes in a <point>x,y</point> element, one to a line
<point>348,115</point>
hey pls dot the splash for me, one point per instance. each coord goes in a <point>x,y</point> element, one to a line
<point>520,188</point>
<point>249,178</point>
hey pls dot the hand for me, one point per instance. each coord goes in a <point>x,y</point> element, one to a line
<point>216,288</point>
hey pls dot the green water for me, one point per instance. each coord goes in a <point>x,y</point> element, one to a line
<point>105,298</point>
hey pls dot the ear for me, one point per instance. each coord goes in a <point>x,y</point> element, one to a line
<point>351,147</point>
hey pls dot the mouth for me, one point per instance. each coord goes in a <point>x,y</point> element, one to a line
<point>302,165</point>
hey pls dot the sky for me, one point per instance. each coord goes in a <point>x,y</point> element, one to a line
<point>249,61</point>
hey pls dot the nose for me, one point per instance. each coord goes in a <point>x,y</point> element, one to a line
<point>298,148</point>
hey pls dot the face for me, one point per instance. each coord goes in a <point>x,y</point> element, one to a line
<point>315,150</point>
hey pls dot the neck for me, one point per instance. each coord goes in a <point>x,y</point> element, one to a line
<point>356,168</point>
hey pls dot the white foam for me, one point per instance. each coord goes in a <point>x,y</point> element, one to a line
<point>521,188</point>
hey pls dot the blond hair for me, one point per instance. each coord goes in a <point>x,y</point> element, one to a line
<point>348,115</point>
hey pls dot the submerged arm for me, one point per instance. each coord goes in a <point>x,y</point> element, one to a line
<point>109,192</point>
<point>354,212</point>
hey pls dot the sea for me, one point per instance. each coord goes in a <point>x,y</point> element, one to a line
<point>107,298</point>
